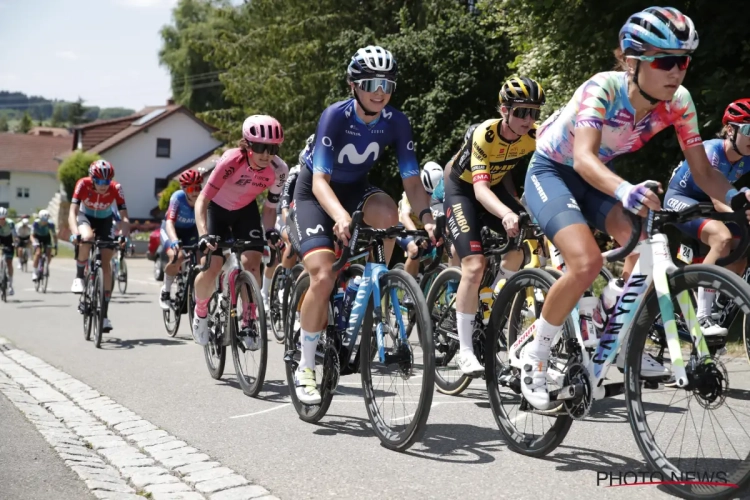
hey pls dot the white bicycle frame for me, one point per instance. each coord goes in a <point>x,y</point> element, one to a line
<point>654,265</point>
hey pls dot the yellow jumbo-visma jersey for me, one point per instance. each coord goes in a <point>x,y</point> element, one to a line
<point>489,157</point>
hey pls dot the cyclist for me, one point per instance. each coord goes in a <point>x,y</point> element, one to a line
<point>7,241</point>
<point>479,193</point>
<point>569,182</point>
<point>42,234</point>
<point>731,156</point>
<point>178,228</point>
<point>227,208</point>
<point>349,139</point>
<point>23,231</point>
<point>90,219</point>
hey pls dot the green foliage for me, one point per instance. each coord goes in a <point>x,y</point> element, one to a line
<point>110,113</point>
<point>74,167</point>
<point>167,194</point>
<point>25,124</point>
<point>57,117</point>
<point>77,112</point>
<point>3,124</point>
<point>12,213</point>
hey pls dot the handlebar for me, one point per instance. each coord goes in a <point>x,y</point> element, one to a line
<point>181,248</point>
<point>233,245</point>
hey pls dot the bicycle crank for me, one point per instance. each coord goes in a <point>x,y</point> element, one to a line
<point>576,392</point>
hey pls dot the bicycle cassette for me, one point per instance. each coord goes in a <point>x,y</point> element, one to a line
<point>576,375</point>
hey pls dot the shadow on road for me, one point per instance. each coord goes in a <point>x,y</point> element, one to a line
<point>344,424</point>
<point>114,343</point>
<point>573,459</point>
<point>274,391</point>
<point>458,443</point>
<point>43,305</point>
<point>17,301</point>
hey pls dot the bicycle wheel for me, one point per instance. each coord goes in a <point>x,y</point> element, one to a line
<point>39,277</point>
<point>526,430</point>
<point>45,273</point>
<point>215,351</point>
<point>249,336</point>
<point>122,277</point>
<point>297,271</point>
<point>276,306</point>
<point>709,409</point>
<point>307,413</point>
<point>407,368</point>
<point>98,307</point>
<point>171,318</point>
<point>84,306</point>
<point>3,280</point>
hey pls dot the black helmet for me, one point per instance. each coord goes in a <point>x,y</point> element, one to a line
<point>372,62</point>
<point>522,90</point>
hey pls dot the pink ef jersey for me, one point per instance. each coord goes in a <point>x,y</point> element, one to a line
<point>233,184</point>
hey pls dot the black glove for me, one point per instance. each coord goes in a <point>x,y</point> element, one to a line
<point>273,237</point>
<point>206,240</point>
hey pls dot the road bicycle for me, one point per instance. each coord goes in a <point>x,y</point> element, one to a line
<point>91,301</point>
<point>119,267</point>
<point>183,300</point>
<point>42,270</point>
<point>4,278</point>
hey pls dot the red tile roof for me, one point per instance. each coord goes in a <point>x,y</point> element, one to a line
<point>53,131</point>
<point>100,130</point>
<point>31,153</point>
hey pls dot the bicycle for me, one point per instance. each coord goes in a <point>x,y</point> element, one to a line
<point>235,289</point>
<point>42,270</point>
<point>384,350</point>
<point>183,300</point>
<point>4,278</point>
<point>24,258</point>
<point>119,268</point>
<point>580,372</point>
<point>281,284</point>
<point>91,301</point>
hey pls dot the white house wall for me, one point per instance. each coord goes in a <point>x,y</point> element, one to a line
<point>42,187</point>
<point>137,167</point>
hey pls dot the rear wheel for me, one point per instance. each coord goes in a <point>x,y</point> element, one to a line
<point>249,337</point>
<point>97,308</point>
<point>276,303</point>
<point>215,351</point>
<point>45,273</point>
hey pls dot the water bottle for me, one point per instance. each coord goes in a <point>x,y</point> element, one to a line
<point>338,308</point>
<point>607,301</point>
<point>486,300</point>
<point>589,332</point>
<point>351,292</point>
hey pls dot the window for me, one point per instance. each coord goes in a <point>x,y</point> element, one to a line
<point>163,148</point>
<point>22,192</point>
<point>160,185</point>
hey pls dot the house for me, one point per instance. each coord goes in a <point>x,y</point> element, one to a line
<point>50,131</point>
<point>28,170</point>
<point>146,149</point>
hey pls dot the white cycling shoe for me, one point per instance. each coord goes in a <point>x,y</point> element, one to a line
<point>106,325</point>
<point>200,330</point>
<point>164,299</point>
<point>77,286</point>
<point>469,364</point>
<point>710,327</point>
<point>307,390</point>
<point>650,368</point>
<point>534,376</point>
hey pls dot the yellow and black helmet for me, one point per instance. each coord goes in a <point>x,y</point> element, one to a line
<point>522,90</point>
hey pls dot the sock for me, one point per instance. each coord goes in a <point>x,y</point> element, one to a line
<point>503,274</point>
<point>465,327</point>
<point>705,301</point>
<point>201,307</point>
<point>545,333</point>
<point>309,345</point>
<point>266,286</point>
<point>10,280</point>
<point>80,266</point>
<point>168,280</point>
<point>105,307</point>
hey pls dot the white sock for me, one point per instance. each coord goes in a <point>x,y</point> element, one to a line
<point>543,337</point>
<point>705,301</point>
<point>309,345</point>
<point>168,280</point>
<point>503,274</point>
<point>266,285</point>
<point>465,327</point>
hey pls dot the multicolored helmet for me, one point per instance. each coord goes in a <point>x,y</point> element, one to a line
<point>101,169</point>
<point>190,178</point>
<point>262,129</point>
<point>658,28</point>
<point>737,112</point>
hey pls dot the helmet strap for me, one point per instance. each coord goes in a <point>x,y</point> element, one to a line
<point>646,96</point>
<point>366,111</point>
<point>733,140</point>
<point>506,120</point>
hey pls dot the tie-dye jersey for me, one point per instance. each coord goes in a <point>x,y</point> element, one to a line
<point>602,103</point>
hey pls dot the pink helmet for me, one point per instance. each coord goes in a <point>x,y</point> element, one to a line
<point>264,129</point>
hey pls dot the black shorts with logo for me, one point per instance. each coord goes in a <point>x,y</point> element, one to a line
<point>241,224</point>
<point>104,228</point>
<point>7,243</point>
<point>465,216</point>
<point>312,227</point>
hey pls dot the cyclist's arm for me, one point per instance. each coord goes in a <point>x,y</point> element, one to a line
<point>709,179</point>
<point>171,232</point>
<point>275,192</point>
<point>269,216</point>
<point>587,164</point>
<point>404,212</point>
<point>171,216</point>
<point>53,232</point>
<point>409,170</point>
<point>481,177</point>
<point>73,217</point>
<point>509,185</point>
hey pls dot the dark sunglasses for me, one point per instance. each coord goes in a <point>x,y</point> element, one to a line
<point>102,182</point>
<point>260,148</point>
<point>373,84</point>
<point>195,188</point>
<point>665,62</point>
<point>743,128</point>
<point>522,113</point>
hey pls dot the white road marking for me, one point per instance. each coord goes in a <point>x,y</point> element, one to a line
<point>262,411</point>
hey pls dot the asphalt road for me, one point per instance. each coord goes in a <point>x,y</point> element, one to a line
<point>165,381</point>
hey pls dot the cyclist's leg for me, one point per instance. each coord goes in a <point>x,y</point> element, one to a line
<point>511,262</point>
<point>380,212</point>
<point>217,224</point>
<point>287,260</point>
<point>7,254</point>
<point>246,225</point>
<point>87,236</point>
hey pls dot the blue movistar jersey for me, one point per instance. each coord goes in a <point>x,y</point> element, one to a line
<point>180,212</point>
<point>346,148</point>
<point>682,180</point>
<point>40,229</point>
<point>438,194</point>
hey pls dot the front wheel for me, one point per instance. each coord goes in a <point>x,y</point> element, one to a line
<point>249,337</point>
<point>97,307</point>
<point>122,277</point>
<point>277,311</point>
<point>215,351</point>
<point>398,373</point>
<point>711,409</point>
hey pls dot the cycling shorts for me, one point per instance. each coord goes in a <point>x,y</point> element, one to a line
<point>23,241</point>
<point>45,241</point>
<point>7,243</point>
<point>675,200</point>
<point>241,224</point>
<point>465,216</point>
<point>313,226</point>
<point>103,228</point>
<point>558,197</point>
<point>186,235</point>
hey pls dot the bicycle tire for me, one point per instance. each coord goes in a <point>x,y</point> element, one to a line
<point>389,437</point>
<point>122,278</point>
<point>3,280</point>
<point>306,413</point>
<point>215,345</point>
<point>45,270</point>
<point>399,265</point>
<point>276,307</point>
<point>252,389</point>
<point>98,316</point>
<point>515,439</point>
<point>84,303</point>
<point>297,271</point>
<point>683,279</point>
<point>38,282</point>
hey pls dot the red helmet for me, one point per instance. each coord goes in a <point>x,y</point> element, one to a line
<point>101,169</point>
<point>190,177</point>
<point>737,112</point>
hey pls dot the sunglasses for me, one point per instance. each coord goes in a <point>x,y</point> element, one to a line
<point>260,148</point>
<point>665,62</point>
<point>373,84</point>
<point>522,113</point>
<point>102,182</point>
<point>195,188</point>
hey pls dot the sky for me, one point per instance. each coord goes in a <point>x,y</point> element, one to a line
<point>105,51</point>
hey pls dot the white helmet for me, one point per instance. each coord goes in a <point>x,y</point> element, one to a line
<point>3,212</point>
<point>25,221</point>
<point>431,175</point>
<point>44,214</point>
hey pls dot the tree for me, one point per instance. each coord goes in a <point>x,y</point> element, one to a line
<point>3,124</point>
<point>167,194</point>
<point>109,113</point>
<point>76,112</point>
<point>74,167</point>
<point>57,116</point>
<point>25,124</point>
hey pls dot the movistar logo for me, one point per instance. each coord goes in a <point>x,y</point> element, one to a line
<point>350,153</point>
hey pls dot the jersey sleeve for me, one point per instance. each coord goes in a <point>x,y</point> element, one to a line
<point>480,165</point>
<point>274,191</point>
<point>224,169</point>
<point>597,96</point>
<point>407,159</point>
<point>78,191</point>
<point>119,196</point>
<point>328,127</point>
<point>685,119</point>
<point>174,206</point>
<point>288,192</point>
<point>438,194</point>
<point>35,227</point>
